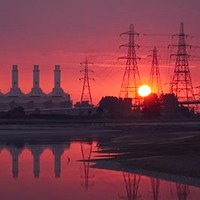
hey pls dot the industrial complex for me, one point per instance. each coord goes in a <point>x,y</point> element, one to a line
<point>36,99</point>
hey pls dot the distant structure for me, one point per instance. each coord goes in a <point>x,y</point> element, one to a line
<point>36,91</point>
<point>131,78</point>
<point>181,84</point>
<point>57,91</point>
<point>15,90</point>
<point>155,80</point>
<point>36,99</point>
<point>86,97</point>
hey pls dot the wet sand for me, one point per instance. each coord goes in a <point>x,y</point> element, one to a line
<point>165,150</point>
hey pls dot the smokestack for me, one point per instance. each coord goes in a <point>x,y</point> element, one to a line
<point>57,90</point>
<point>15,90</point>
<point>36,76</point>
<point>57,77</point>
<point>14,76</point>
<point>36,91</point>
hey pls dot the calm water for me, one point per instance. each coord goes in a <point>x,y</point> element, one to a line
<point>54,170</point>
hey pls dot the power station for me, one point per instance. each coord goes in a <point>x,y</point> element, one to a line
<point>36,99</point>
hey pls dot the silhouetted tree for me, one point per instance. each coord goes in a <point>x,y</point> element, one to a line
<point>151,107</point>
<point>170,105</point>
<point>115,107</point>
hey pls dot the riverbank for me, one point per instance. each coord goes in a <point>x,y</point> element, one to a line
<point>163,150</point>
<point>164,147</point>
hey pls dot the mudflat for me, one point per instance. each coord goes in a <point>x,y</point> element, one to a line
<point>169,148</point>
<point>172,148</point>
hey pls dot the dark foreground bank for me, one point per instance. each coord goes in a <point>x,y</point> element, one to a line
<point>171,148</point>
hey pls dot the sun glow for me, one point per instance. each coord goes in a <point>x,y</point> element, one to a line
<point>144,90</point>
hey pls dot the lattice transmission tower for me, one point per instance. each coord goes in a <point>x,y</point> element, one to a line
<point>181,84</point>
<point>131,78</point>
<point>155,79</point>
<point>86,91</point>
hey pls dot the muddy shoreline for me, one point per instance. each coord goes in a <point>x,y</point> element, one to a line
<point>171,148</point>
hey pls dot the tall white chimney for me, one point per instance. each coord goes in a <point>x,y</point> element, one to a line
<point>36,91</point>
<point>14,76</point>
<point>57,77</point>
<point>36,76</point>
<point>57,90</point>
<point>14,90</point>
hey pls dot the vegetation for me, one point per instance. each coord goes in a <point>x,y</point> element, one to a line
<point>152,107</point>
<point>115,107</point>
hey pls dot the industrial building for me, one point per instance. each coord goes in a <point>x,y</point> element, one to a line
<point>36,99</point>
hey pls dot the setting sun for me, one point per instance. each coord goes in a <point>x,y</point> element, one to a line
<point>144,90</point>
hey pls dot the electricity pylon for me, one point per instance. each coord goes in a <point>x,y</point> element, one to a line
<point>181,84</point>
<point>86,91</point>
<point>131,78</point>
<point>155,80</point>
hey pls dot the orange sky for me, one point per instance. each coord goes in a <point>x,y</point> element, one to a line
<point>63,32</point>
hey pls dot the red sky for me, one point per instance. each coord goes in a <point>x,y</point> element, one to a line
<point>49,32</point>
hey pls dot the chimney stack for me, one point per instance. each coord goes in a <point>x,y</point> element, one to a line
<point>14,76</point>
<point>36,91</point>
<point>14,90</point>
<point>57,77</point>
<point>36,76</point>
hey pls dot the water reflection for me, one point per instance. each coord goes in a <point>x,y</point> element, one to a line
<point>155,184</point>
<point>73,175</point>
<point>183,191</point>
<point>86,152</point>
<point>132,182</point>
<point>16,148</point>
